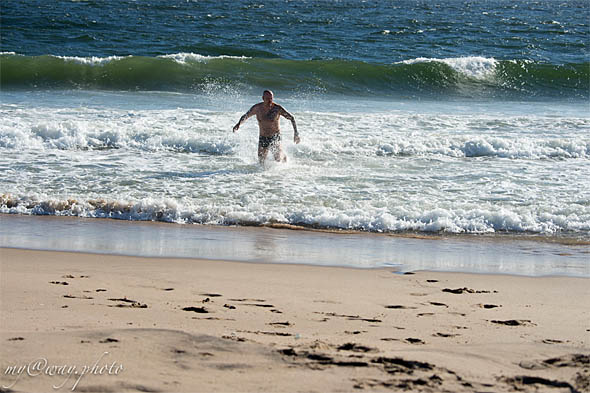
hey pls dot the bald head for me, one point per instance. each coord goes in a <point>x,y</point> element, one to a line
<point>267,96</point>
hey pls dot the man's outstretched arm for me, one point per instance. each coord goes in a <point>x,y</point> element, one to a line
<point>290,117</point>
<point>244,117</point>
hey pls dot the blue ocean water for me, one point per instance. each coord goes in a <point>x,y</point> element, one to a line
<point>416,116</point>
<point>535,48</point>
<point>382,31</point>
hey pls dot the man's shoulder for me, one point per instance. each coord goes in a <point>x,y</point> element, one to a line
<point>283,110</point>
<point>256,107</point>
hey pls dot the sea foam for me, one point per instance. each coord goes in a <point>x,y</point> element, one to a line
<point>384,171</point>
<point>471,66</point>
<point>184,58</point>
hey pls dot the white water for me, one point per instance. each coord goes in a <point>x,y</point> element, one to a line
<point>471,66</point>
<point>371,165</point>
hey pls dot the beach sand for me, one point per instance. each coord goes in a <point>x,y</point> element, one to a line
<point>154,324</point>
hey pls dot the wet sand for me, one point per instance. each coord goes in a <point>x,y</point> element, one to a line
<point>155,324</point>
<point>496,253</point>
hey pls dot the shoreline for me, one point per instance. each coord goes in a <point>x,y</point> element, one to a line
<point>201,325</point>
<point>566,239</point>
<point>456,253</point>
<point>391,269</point>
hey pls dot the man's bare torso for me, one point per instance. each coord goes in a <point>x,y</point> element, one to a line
<point>268,118</point>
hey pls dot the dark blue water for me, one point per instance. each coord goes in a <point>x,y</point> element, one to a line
<point>342,47</point>
<point>555,32</point>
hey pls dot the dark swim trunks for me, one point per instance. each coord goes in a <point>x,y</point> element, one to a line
<point>264,142</point>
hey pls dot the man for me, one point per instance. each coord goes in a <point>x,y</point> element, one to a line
<point>268,114</point>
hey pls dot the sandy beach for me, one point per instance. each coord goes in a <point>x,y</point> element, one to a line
<point>89,322</point>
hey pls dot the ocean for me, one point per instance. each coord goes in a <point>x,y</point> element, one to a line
<point>416,117</point>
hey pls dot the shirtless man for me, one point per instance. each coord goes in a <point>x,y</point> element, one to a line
<point>268,115</point>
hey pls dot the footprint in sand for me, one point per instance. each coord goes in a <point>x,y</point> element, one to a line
<point>253,302</point>
<point>109,340</point>
<point>127,303</point>
<point>263,305</point>
<point>412,340</point>
<point>425,314</point>
<point>200,310</point>
<point>513,322</point>
<point>551,341</point>
<point>445,335</point>
<point>280,324</point>
<point>130,305</point>
<point>573,360</point>
<point>313,358</point>
<point>458,291</point>
<point>281,334</point>
<point>356,348</point>
<point>488,306</point>
<point>349,317</point>
<point>399,307</point>
<point>519,382</point>
<point>68,296</point>
<point>400,362</point>
<point>233,337</point>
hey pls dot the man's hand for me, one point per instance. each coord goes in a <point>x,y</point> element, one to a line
<point>236,127</point>
<point>296,139</point>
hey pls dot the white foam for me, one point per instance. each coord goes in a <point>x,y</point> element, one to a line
<point>473,66</point>
<point>184,58</point>
<point>382,171</point>
<point>93,60</point>
<point>475,220</point>
<point>181,58</point>
<point>187,131</point>
<point>89,129</point>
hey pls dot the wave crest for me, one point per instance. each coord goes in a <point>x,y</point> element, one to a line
<point>459,220</point>
<point>452,77</point>
<point>474,67</point>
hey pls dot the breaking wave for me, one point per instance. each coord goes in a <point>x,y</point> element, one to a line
<point>477,77</point>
